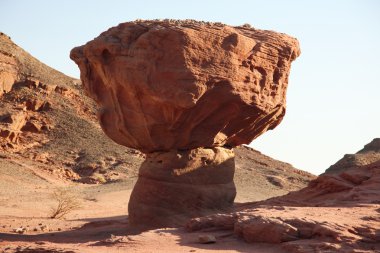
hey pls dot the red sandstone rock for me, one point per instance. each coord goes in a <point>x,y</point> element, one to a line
<point>37,105</point>
<point>11,124</point>
<point>180,85</point>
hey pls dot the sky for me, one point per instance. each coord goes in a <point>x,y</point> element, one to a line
<point>333,100</point>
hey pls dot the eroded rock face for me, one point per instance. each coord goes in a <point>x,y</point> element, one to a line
<point>8,68</point>
<point>11,125</point>
<point>185,92</point>
<point>182,85</point>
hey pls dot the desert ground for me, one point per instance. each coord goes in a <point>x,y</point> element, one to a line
<point>335,220</point>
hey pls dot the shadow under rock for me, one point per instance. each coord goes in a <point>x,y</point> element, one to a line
<point>110,231</point>
<point>95,230</point>
<point>226,240</point>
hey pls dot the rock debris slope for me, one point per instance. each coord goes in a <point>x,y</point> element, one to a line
<point>369,154</point>
<point>184,93</point>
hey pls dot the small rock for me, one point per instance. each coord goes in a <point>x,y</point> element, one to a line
<point>20,230</point>
<point>206,239</point>
<point>37,105</point>
<point>44,228</point>
<point>32,83</point>
<point>111,159</point>
<point>35,229</point>
<point>32,126</point>
<point>59,229</point>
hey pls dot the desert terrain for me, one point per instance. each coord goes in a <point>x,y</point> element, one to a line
<point>51,142</point>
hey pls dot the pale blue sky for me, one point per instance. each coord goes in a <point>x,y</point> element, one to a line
<point>334,88</point>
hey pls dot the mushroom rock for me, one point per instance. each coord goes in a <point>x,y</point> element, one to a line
<point>185,93</point>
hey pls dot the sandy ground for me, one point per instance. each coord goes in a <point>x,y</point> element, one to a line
<point>100,225</point>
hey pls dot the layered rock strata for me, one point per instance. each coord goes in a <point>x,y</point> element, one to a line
<point>177,182</point>
<point>185,89</point>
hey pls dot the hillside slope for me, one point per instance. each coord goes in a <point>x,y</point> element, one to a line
<point>259,176</point>
<point>369,154</point>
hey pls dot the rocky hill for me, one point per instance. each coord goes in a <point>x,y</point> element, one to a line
<point>257,176</point>
<point>17,65</point>
<point>46,122</point>
<point>369,154</point>
<point>48,129</point>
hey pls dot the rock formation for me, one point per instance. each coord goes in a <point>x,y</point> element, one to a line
<point>185,92</point>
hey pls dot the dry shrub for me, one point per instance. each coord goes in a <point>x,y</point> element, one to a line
<point>67,202</point>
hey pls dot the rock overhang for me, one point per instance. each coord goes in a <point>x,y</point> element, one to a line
<point>175,84</point>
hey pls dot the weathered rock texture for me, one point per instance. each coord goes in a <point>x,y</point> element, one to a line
<point>185,85</point>
<point>182,85</point>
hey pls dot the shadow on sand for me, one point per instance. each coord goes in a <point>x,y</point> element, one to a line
<point>115,232</point>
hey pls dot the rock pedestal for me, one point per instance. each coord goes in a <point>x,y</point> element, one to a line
<point>184,92</point>
<point>176,185</point>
